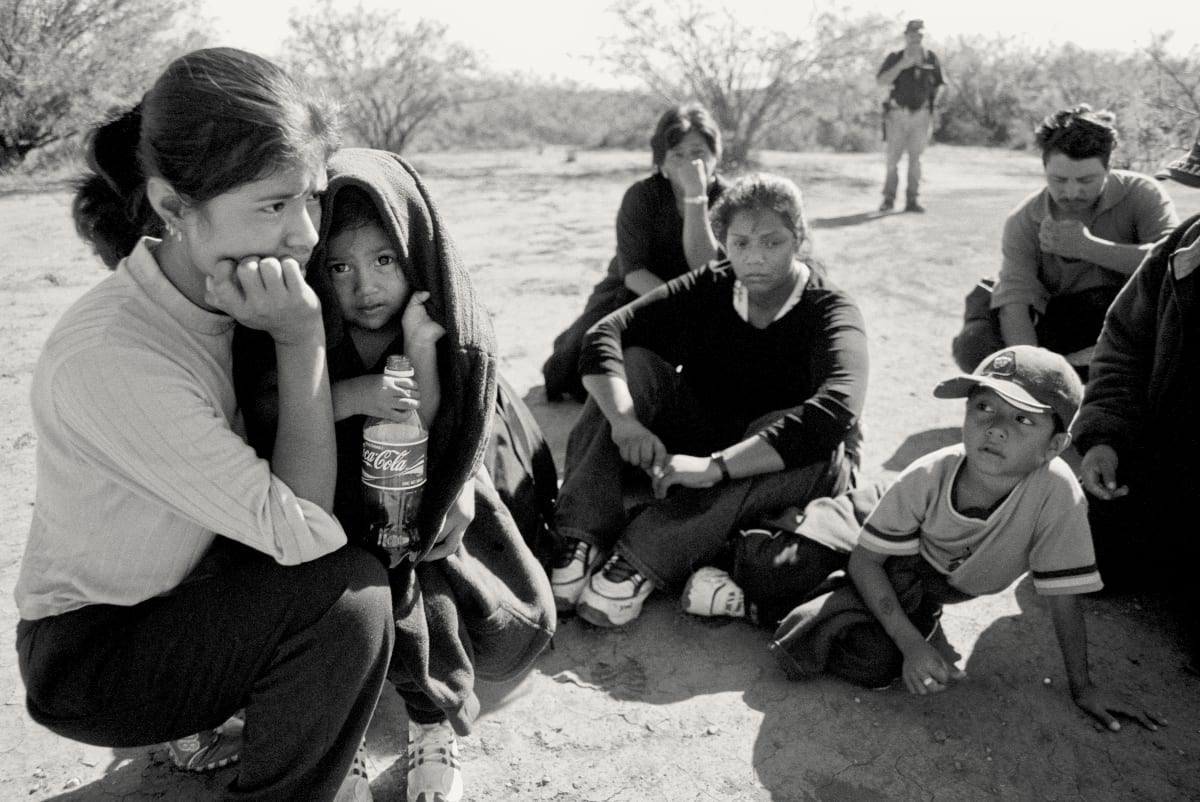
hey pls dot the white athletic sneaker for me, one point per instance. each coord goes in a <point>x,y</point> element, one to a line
<point>434,769</point>
<point>712,592</point>
<point>357,786</point>
<point>614,595</point>
<point>569,573</point>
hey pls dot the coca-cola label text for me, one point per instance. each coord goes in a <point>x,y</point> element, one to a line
<point>392,466</point>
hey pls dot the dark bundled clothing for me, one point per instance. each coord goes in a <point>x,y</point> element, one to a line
<point>466,353</point>
<point>485,610</point>
<point>812,362</point>
<point>1142,399</point>
<point>1142,395</point>
<point>798,554</point>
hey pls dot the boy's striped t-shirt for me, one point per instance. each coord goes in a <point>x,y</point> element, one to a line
<point>1041,527</point>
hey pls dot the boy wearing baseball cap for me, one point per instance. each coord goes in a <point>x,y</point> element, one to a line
<point>965,521</point>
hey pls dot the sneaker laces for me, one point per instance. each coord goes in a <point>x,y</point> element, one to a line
<point>356,787</point>
<point>570,550</point>
<point>618,569</point>
<point>432,743</point>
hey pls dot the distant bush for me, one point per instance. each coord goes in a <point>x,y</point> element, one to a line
<point>408,86</point>
<point>529,114</point>
<point>998,92</point>
<point>65,65</point>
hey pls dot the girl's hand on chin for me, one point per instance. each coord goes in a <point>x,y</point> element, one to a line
<point>268,294</point>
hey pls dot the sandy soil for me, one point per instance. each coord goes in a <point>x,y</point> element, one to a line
<point>674,707</point>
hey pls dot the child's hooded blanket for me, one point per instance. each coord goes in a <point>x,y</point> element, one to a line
<point>487,608</point>
<point>467,352</point>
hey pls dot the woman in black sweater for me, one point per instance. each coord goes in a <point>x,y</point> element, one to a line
<point>742,384</point>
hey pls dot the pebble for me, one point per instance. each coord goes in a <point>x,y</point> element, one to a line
<point>1046,681</point>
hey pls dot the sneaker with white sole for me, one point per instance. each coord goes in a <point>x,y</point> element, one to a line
<point>614,595</point>
<point>357,785</point>
<point>434,768</point>
<point>712,592</point>
<point>209,750</point>
<point>572,566</point>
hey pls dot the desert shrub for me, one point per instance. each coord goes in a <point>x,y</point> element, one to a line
<point>392,77</point>
<point>555,113</point>
<point>999,91</point>
<point>65,63</point>
<point>755,81</point>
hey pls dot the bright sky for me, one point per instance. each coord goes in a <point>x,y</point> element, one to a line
<point>554,37</point>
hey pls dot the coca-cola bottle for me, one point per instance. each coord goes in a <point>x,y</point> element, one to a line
<point>393,474</point>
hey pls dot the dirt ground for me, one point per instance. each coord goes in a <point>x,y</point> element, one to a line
<point>674,707</point>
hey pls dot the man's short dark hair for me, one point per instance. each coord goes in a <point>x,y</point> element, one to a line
<point>1078,133</point>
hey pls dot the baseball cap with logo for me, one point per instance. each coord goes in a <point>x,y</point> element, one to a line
<point>1030,378</point>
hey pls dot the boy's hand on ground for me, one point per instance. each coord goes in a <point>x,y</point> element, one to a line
<point>1102,705</point>
<point>418,327</point>
<point>639,446</point>
<point>455,524</point>
<point>927,671</point>
<point>1098,473</point>
<point>382,396</point>
<point>681,469</point>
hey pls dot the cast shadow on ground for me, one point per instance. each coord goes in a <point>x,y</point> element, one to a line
<point>829,740</point>
<point>663,657</point>
<point>920,444</point>
<point>1007,730</point>
<point>144,773</point>
<point>849,219</point>
<point>1133,649</point>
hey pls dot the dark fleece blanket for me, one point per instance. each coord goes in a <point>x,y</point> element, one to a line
<point>466,354</point>
<point>485,610</point>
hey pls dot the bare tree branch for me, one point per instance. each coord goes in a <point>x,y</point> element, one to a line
<point>390,77</point>
<point>750,79</point>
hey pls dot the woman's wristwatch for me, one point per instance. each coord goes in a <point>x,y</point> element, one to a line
<point>719,459</point>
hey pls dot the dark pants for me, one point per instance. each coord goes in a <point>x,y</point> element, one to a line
<point>1141,546</point>
<point>1070,323</point>
<point>798,555</point>
<point>778,570</point>
<point>837,633</point>
<point>667,539</point>
<point>304,649</point>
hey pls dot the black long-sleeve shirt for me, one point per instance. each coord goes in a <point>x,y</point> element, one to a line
<point>810,365</point>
